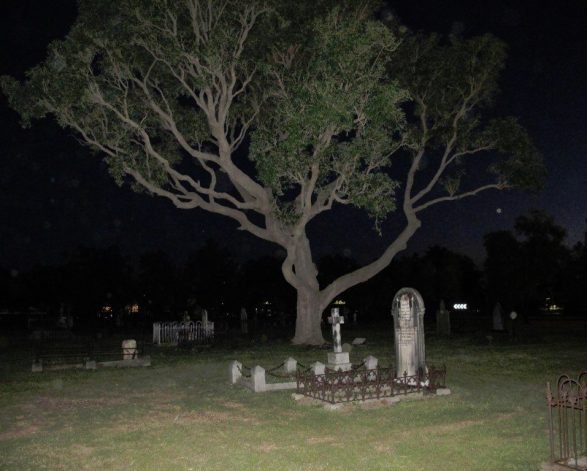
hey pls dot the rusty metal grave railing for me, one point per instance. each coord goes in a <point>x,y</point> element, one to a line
<point>567,422</point>
<point>362,384</point>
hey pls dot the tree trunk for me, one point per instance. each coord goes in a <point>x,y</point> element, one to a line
<point>309,315</point>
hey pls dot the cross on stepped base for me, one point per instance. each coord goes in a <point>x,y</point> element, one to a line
<point>337,360</point>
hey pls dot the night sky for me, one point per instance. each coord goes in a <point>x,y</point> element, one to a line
<point>56,197</point>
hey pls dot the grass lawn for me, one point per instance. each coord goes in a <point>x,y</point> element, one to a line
<point>181,413</point>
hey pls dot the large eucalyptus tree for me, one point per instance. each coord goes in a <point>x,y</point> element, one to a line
<point>168,91</point>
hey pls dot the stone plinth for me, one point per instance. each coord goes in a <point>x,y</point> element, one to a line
<point>339,361</point>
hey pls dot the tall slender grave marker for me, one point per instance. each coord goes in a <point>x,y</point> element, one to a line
<point>408,316</point>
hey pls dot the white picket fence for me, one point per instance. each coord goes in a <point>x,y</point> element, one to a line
<point>169,333</point>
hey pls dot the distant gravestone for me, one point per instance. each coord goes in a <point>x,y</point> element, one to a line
<point>443,320</point>
<point>498,317</point>
<point>129,349</point>
<point>408,315</point>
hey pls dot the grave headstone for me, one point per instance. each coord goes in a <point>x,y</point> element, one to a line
<point>443,320</point>
<point>370,362</point>
<point>129,349</point>
<point>347,347</point>
<point>235,371</point>
<point>290,365</point>
<point>498,317</point>
<point>337,360</point>
<point>408,315</point>
<point>318,368</point>
<point>258,378</point>
<point>359,341</point>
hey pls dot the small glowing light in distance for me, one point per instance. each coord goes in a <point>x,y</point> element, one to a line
<point>460,306</point>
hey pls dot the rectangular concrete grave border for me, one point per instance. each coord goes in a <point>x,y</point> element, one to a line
<point>88,364</point>
<point>89,357</point>
<point>255,378</point>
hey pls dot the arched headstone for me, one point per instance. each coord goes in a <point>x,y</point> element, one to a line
<point>408,315</point>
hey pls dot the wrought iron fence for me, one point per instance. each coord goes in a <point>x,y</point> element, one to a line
<point>362,384</point>
<point>175,333</point>
<point>567,422</point>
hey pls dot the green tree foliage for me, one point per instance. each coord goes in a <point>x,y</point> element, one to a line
<point>453,83</point>
<point>327,95</point>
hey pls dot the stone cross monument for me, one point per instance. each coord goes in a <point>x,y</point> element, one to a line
<point>336,319</point>
<point>337,360</point>
<point>408,316</point>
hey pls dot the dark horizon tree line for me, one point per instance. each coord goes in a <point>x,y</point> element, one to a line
<point>526,270</point>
